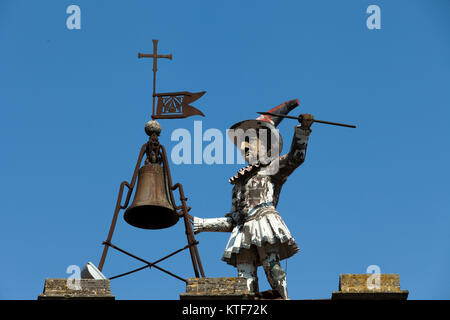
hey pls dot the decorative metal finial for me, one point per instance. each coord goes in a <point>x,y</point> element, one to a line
<point>151,127</point>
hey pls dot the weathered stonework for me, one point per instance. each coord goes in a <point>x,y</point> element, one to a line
<point>58,289</point>
<point>355,287</point>
<point>216,288</point>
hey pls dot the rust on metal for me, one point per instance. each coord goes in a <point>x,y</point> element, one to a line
<point>153,263</point>
<point>155,57</point>
<point>152,207</point>
<point>171,105</point>
<point>149,264</point>
<point>175,105</point>
<point>154,204</point>
<point>130,187</point>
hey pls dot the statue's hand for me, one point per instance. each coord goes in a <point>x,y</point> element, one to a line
<point>306,120</point>
<point>197,225</point>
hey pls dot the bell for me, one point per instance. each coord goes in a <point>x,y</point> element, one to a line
<point>152,207</point>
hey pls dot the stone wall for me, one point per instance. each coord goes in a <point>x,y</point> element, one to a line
<point>359,286</point>
<point>216,288</point>
<point>62,289</point>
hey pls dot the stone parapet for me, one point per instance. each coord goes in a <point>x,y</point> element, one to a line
<point>216,289</point>
<point>366,287</point>
<point>63,289</point>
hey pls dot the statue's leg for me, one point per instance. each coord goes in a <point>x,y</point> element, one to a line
<point>246,267</point>
<point>275,274</point>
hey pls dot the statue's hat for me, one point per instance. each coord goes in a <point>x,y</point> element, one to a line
<point>269,122</point>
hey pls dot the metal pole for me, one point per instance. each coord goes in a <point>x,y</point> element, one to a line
<point>119,206</point>
<point>155,59</point>
<point>195,257</point>
<point>146,262</point>
<point>153,263</point>
<point>300,119</point>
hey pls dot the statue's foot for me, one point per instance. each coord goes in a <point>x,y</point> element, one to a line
<point>282,290</point>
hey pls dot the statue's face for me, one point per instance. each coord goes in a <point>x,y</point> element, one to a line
<point>253,150</point>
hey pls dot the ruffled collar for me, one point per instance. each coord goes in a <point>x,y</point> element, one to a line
<point>247,171</point>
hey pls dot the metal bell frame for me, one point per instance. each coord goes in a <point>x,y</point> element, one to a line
<point>155,153</point>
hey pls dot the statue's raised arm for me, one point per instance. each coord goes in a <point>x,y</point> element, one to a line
<point>296,156</point>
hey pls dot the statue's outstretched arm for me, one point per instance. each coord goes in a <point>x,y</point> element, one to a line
<point>213,224</point>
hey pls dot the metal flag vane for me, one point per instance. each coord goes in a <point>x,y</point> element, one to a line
<point>154,205</point>
<point>171,105</point>
<point>315,120</point>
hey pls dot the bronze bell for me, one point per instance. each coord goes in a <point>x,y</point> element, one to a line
<point>152,207</point>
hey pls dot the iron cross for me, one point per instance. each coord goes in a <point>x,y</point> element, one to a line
<point>155,57</point>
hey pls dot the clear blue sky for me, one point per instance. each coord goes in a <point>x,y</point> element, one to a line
<point>74,104</point>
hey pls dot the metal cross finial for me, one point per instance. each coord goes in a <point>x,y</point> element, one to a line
<point>155,57</point>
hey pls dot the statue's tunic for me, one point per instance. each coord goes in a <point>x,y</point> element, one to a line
<point>257,225</point>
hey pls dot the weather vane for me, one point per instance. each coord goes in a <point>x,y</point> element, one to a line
<point>171,105</point>
<point>154,205</point>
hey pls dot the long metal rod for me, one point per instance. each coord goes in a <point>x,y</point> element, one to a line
<point>171,94</point>
<point>146,55</point>
<point>189,232</point>
<point>129,272</point>
<point>300,118</point>
<point>118,203</point>
<point>153,263</point>
<point>189,239</point>
<point>195,257</point>
<point>155,59</point>
<point>142,260</point>
<point>336,123</point>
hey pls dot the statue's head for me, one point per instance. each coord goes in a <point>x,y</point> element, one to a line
<point>253,150</point>
<point>259,139</point>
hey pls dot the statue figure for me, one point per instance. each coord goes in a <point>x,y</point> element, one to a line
<point>259,237</point>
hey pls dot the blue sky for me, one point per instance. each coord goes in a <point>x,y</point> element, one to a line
<point>74,104</point>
